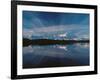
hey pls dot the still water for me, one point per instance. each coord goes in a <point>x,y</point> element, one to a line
<point>56,55</point>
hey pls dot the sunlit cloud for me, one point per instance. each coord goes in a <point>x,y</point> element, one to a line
<point>58,30</point>
<point>55,25</point>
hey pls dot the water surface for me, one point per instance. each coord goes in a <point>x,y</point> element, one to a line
<point>56,55</point>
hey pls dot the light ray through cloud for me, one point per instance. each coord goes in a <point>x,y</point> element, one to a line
<point>55,25</point>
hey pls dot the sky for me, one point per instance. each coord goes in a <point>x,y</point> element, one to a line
<point>55,25</point>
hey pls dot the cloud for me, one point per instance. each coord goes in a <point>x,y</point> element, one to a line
<point>83,33</point>
<point>57,29</point>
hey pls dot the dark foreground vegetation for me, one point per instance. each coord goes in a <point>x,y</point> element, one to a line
<point>27,42</point>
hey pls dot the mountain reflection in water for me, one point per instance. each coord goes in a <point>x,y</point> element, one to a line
<point>56,55</point>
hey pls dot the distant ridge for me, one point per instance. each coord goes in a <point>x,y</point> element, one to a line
<point>27,42</point>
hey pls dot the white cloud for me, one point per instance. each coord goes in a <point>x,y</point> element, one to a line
<point>62,35</point>
<point>40,31</point>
